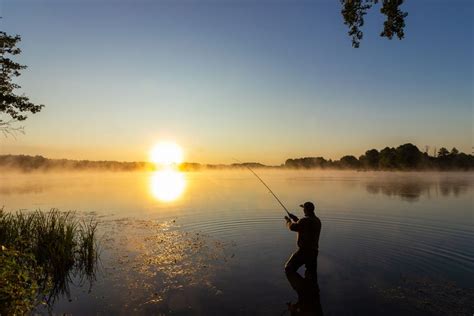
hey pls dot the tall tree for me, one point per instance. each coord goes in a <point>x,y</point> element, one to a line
<point>372,159</point>
<point>408,156</point>
<point>353,12</point>
<point>443,152</point>
<point>12,105</point>
<point>349,161</point>
<point>388,158</point>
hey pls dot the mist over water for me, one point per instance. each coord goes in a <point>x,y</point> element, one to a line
<point>214,242</point>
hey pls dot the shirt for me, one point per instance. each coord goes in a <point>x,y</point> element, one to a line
<point>308,229</point>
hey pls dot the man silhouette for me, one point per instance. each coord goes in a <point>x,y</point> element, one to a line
<point>308,229</point>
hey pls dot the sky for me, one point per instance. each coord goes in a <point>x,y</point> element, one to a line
<point>253,80</point>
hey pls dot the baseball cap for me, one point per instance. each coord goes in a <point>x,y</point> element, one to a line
<point>308,205</point>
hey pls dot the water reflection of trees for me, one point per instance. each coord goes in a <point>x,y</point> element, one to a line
<point>411,189</point>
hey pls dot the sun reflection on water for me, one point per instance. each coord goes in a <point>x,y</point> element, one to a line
<point>167,185</point>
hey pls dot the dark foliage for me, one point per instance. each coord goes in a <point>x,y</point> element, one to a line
<point>247,165</point>
<point>353,12</point>
<point>370,160</point>
<point>404,157</point>
<point>40,254</point>
<point>14,105</point>
<point>307,162</point>
<point>349,162</point>
<point>408,156</point>
<point>40,163</point>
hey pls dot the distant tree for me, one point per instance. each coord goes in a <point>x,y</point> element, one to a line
<point>12,105</point>
<point>371,159</point>
<point>463,161</point>
<point>408,156</point>
<point>349,162</point>
<point>443,152</point>
<point>454,151</point>
<point>307,162</point>
<point>353,12</point>
<point>388,158</point>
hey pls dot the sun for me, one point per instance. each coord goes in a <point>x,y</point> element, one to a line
<point>166,154</point>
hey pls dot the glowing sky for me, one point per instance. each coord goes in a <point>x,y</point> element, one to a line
<point>257,81</point>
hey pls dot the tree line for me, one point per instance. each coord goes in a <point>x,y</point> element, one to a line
<point>27,163</point>
<point>404,157</point>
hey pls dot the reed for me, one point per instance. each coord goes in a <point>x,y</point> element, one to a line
<point>61,246</point>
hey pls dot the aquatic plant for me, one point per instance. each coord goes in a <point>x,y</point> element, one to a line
<point>48,249</point>
<point>19,284</point>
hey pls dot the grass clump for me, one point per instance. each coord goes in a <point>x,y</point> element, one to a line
<point>47,249</point>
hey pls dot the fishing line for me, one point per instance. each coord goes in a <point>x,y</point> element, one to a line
<point>263,182</point>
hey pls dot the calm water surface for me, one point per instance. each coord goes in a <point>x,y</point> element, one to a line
<point>215,243</point>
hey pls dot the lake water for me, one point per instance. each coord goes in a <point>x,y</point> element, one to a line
<point>215,243</point>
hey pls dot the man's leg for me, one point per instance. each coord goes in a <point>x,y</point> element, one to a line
<point>291,267</point>
<point>295,262</point>
<point>311,264</point>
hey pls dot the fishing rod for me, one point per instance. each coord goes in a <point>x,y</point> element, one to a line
<point>263,182</point>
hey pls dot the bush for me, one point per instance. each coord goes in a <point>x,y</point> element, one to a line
<point>19,286</point>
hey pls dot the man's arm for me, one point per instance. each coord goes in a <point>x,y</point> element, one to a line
<point>293,217</point>
<point>292,226</point>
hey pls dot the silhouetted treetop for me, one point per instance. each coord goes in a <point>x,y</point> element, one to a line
<point>404,157</point>
<point>371,159</point>
<point>350,162</point>
<point>307,162</point>
<point>353,12</point>
<point>408,156</point>
<point>443,152</point>
<point>13,105</point>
